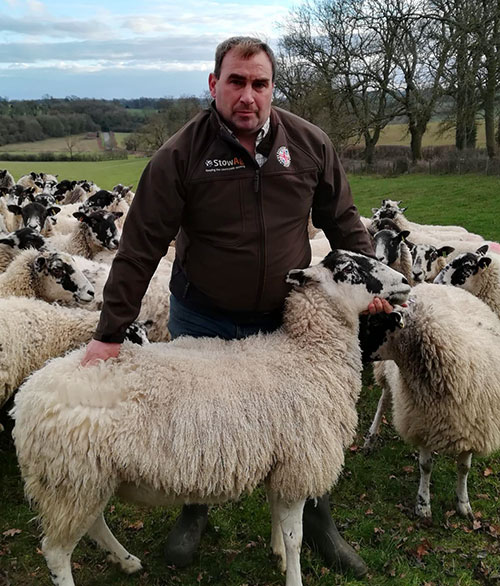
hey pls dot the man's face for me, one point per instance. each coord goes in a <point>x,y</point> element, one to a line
<point>244,91</point>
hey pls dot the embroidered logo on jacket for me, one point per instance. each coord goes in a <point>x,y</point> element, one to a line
<point>283,156</point>
<point>213,165</point>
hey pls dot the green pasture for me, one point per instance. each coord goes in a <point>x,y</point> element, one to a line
<point>105,173</point>
<point>79,143</point>
<point>373,501</point>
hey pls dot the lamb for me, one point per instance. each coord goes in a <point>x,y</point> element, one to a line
<point>477,273</point>
<point>6,181</point>
<point>11,244</point>
<point>36,215</point>
<point>110,201</point>
<point>443,372</point>
<point>93,233</point>
<point>391,249</point>
<point>203,420</point>
<point>425,233</point>
<point>155,303</point>
<point>32,331</point>
<point>52,276</point>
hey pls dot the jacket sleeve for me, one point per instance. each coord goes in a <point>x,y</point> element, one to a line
<point>333,209</point>
<point>151,224</point>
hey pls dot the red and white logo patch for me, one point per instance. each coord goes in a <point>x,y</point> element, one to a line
<point>283,156</point>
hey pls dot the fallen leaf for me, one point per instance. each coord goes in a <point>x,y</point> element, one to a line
<point>11,532</point>
<point>369,512</point>
<point>487,472</point>
<point>138,525</point>
<point>476,525</point>
<point>408,469</point>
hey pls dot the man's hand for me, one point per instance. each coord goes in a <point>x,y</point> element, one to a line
<point>378,306</point>
<point>97,350</point>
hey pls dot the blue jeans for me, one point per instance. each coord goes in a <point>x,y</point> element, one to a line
<point>185,321</point>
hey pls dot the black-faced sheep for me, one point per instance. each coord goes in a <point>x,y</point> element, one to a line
<point>477,272</point>
<point>94,233</point>
<point>32,331</point>
<point>443,372</point>
<point>48,275</point>
<point>218,417</point>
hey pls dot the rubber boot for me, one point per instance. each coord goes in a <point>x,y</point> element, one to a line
<point>184,538</point>
<point>322,536</point>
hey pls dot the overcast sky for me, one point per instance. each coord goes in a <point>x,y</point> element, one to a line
<point>122,48</point>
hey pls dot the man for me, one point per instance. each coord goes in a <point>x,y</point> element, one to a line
<point>235,187</point>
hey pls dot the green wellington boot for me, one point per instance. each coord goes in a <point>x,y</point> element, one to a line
<point>322,536</point>
<point>184,538</point>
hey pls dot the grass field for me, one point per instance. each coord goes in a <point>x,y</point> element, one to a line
<point>372,503</point>
<point>105,173</point>
<point>394,134</point>
<point>80,144</point>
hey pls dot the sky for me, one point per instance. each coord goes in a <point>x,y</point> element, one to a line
<point>122,48</point>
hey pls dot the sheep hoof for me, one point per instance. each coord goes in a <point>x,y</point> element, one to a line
<point>465,510</point>
<point>281,561</point>
<point>129,565</point>
<point>370,443</point>
<point>423,511</point>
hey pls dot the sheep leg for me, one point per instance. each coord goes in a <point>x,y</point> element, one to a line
<point>58,558</point>
<point>382,407</point>
<point>290,517</point>
<point>463,466</point>
<point>423,506</point>
<point>277,543</point>
<point>102,535</point>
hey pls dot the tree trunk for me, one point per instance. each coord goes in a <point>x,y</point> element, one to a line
<point>416,134</point>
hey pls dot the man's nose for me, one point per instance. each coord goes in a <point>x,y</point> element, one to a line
<point>247,94</point>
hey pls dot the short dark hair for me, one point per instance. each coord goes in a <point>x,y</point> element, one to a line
<point>246,47</point>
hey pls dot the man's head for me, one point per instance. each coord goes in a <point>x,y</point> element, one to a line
<point>242,83</point>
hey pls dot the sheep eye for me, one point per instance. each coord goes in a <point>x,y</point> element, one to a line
<point>57,272</point>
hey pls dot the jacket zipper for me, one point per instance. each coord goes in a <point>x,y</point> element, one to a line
<point>262,245</point>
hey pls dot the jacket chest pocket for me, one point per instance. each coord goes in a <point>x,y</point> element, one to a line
<point>218,211</point>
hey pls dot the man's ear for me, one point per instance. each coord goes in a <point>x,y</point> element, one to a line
<point>212,82</point>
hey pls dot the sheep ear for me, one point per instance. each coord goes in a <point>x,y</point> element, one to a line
<point>9,241</point>
<point>80,216</point>
<point>398,318</point>
<point>403,235</point>
<point>298,278</point>
<point>481,250</point>
<point>375,210</point>
<point>52,211</point>
<point>15,209</point>
<point>40,262</point>
<point>484,262</point>
<point>444,251</point>
<point>117,215</point>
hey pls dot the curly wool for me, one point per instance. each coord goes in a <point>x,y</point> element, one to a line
<point>485,285</point>
<point>445,381</point>
<point>202,419</point>
<point>78,242</point>
<point>31,332</point>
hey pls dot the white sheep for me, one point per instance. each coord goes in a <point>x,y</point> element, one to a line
<point>32,331</point>
<point>203,420</point>
<point>94,233</point>
<point>391,249</point>
<point>443,372</point>
<point>48,275</point>
<point>155,303</point>
<point>11,244</point>
<point>423,233</point>
<point>477,272</point>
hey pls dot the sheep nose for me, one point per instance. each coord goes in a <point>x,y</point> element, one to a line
<point>90,292</point>
<point>405,282</point>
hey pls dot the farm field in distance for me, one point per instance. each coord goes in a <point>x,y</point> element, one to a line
<point>374,499</point>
